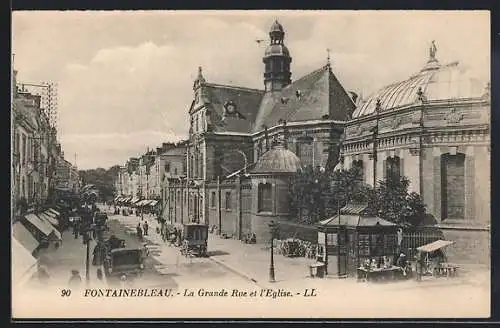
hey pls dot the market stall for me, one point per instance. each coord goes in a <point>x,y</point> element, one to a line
<point>351,238</point>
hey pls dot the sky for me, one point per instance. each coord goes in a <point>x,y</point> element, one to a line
<point>125,77</point>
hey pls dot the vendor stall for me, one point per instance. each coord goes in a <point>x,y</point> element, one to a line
<point>432,261</point>
<point>351,238</point>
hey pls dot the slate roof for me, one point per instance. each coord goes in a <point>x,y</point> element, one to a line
<point>246,101</point>
<point>320,94</point>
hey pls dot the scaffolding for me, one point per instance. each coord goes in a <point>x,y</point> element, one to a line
<point>48,98</point>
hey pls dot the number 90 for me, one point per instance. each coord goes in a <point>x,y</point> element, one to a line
<point>65,292</point>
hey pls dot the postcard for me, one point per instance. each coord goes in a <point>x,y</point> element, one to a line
<point>250,164</point>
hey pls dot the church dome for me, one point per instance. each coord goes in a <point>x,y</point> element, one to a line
<point>434,82</point>
<point>277,50</point>
<point>277,160</point>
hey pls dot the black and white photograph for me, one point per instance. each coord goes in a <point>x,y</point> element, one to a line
<point>250,164</point>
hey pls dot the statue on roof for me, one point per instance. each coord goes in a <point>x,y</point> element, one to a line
<point>433,50</point>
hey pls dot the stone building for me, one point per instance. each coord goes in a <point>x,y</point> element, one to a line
<point>232,128</point>
<point>245,143</point>
<point>433,128</point>
<point>35,148</point>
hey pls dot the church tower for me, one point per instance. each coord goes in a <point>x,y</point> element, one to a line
<point>277,60</point>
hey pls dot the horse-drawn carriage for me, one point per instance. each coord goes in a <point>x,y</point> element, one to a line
<point>194,239</point>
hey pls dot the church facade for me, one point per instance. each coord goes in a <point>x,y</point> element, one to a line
<point>245,143</point>
<point>231,128</point>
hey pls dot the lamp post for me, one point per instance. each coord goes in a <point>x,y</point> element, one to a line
<point>273,229</point>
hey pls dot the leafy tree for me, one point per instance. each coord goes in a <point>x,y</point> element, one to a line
<point>394,203</point>
<point>104,180</point>
<point>316,194</point>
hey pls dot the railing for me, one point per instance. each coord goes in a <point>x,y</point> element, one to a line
<point>412,240</point>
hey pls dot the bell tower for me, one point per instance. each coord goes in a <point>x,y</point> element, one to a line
<point>277,60</point>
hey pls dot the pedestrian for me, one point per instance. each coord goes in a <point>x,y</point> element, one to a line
<point>99,274</point>
<point>75,280</point>
<point>95,255</point>
<point>139,231</point>
<point>145,226</point>
<point>75,230</point>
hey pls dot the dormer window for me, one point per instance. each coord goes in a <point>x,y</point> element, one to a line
<point>298,94</point>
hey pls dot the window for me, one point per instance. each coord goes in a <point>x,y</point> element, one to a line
<point>175,171</point>
<point>364,244</point>
<point>213,200</point>
<point>265,201</point>
<point>393,168</point>
<point>23,148</point>
<point>167,167</point>
<point>332,239</point>
<point>453,186</point>
<point>357,165</point>
<point>228,200</point>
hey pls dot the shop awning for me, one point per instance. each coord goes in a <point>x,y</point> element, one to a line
<point>434,246</point>
<point>24,265</point>
<point>24,237</point>
<point>153,203</point>
<point>43,226</point>
<point>54,211</point>
<point>55,234</point>
<point>50,218</point>
<point>134,200</point>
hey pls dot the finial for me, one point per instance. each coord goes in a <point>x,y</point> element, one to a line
<point>200,71</point>
<point>328,56</point>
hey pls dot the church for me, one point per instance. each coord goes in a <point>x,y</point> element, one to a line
<point>244,144</point>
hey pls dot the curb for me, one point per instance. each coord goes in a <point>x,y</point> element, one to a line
<point>236,271</point>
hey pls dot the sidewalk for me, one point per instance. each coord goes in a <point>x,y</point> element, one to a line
<point>252,263</point>
<point>71,255</point>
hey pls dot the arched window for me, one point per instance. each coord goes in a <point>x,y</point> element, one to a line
<point>358,166</point>
<point>393,168</point>
<point>265,200</point>
<point>453,186</point>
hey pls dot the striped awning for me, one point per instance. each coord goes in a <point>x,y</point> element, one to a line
<point>54,211</point>
<point>50,218</point>
<point>153,203</point>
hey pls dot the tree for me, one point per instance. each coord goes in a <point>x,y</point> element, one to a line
<point>316,194</point>
<point>104,180</point>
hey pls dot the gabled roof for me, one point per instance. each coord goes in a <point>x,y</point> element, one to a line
<point>246,101</point>
<point>311,97</point>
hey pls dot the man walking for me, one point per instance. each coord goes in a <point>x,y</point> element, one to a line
<point>145,226</point>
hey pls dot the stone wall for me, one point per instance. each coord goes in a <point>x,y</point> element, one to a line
<point>471,246</point>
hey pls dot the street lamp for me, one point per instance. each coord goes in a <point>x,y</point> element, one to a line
<point>274,231</point>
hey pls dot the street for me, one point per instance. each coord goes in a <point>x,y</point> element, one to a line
<point>234,277</point>
<point>166,262</point>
